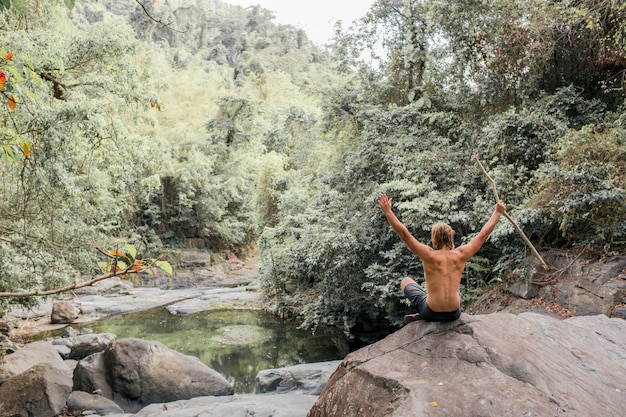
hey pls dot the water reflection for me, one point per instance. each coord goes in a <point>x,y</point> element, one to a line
<point>236,343</point>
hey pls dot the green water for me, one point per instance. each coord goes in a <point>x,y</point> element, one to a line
<point>236,343</point>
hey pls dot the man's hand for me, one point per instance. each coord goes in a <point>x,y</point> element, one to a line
<point>500,207</point>
<point>385,203</point>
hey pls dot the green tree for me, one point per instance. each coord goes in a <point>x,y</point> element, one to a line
<point>78,180</point>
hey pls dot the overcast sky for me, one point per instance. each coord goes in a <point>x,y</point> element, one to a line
<point>316,17</point>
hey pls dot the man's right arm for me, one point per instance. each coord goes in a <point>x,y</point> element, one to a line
<point>413,244</point>
<point>472,247</point>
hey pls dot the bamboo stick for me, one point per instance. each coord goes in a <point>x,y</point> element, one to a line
<point>495,193</point>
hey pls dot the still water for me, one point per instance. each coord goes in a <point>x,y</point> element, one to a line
<point>236,343</point>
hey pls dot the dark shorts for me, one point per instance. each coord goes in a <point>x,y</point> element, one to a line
<point>417,296</point>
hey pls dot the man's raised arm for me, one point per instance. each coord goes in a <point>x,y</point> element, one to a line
<point>472,247</point>
<point>416,247</point>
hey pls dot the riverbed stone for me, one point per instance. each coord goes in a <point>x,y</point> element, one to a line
<point>83,403</point>
<point>149,372</point>
<point>267,405</point>
<point>90,376</point>
<point>309,378</point>
<point>80,346</point>
<point>27,356</point>
<point>40,391</point>
<point>64,312</point>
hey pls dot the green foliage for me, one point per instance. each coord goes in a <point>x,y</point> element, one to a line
<point>78,179</point>
<point>582,190</point>
<point>223,127</point>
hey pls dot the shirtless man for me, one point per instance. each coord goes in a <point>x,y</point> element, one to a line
<point>443,264</point>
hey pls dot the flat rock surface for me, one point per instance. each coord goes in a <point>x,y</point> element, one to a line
<point>488,365</point>
<point>268,405</point>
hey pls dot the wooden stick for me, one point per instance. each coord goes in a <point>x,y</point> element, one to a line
<point>495,192</point>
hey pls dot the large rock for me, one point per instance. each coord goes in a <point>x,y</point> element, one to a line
<point>40,391</point>
<point>30,355</point>
<point>576,285</point>
<point>149,372</point>
<point>309,378</point>
<point>491,365</point>
<point>80,346</point>
<point>90,376</point>
<point>64,312</point>
<point>80,402</point>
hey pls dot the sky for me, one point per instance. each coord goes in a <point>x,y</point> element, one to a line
<point>316,17</point>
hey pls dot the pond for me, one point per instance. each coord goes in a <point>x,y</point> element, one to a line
<point>236,343</point>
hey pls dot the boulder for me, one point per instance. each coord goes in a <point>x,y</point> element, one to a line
<point>308,378</point>
<point>575,285</point>
<point>64,312</point>
<point>81,403</point>
<point>90,376</point>
<point>26,357</point>
<point>149,372</point>
<point>40,391</point>
<point>486,365</point>
<point>80,346</point>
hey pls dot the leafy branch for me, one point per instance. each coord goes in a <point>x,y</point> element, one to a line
<point>117,264</point>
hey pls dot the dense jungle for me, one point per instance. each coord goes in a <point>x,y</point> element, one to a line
<point>130,130</point>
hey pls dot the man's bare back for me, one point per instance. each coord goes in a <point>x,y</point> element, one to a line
<point>443,267</point>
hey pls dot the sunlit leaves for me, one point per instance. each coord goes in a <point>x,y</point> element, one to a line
<point>20,5</point>
<point>122,262</point>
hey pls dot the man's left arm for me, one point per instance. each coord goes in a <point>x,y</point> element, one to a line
<point>474,245</point>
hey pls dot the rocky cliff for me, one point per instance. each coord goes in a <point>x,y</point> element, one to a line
<point>486,365</point>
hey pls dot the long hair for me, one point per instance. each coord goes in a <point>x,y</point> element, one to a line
<point>442,236</point>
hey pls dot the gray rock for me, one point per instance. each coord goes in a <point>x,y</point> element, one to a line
<point>210,298</point>
<point>308,378</point>
<point>40,391</point>
<point>500,365</point>
<point>64,312</point>
<point>619,312</point>
<point>30,355</point>
<point>90,376</point>
<point>83,345</point>
<point>80,402</point>
<point>268,405</point>
<point>523,289</point>
<point>580,285</point>
<point>149,372</point>
<point>194,258</point>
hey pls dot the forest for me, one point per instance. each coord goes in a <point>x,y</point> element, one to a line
<point>147,127</point>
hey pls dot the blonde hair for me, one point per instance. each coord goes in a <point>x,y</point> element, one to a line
<point>442,236</point>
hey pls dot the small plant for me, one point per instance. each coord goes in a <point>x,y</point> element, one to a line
<point>120,263</point>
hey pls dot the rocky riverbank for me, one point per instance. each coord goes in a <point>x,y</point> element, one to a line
<point>98,374</point>
<point>197,285</point>
<point>70,373</point>
<point>576,286</point>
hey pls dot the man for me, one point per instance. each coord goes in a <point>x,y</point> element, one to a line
<point>443,264</point>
